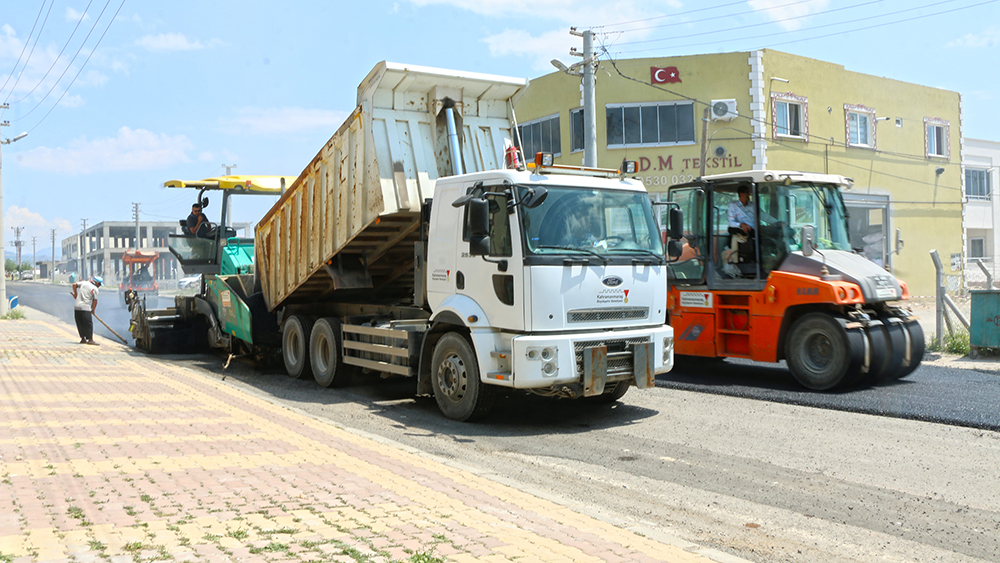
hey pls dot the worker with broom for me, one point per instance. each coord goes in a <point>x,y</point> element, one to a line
<point>85,294</point>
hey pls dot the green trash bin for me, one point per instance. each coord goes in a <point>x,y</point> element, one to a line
<point>984,321</point>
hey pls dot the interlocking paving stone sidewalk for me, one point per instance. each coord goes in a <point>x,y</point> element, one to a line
<point>110,455</point>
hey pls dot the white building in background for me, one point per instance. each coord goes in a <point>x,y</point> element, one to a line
<point>981,164</point>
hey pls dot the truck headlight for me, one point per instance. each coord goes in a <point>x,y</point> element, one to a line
<point>668,348</point>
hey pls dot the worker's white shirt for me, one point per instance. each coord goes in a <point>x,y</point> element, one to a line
<point>86,293</point>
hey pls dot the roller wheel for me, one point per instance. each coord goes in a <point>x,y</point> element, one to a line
<point>611,393</point>
<point>817,351</point>
<point>895,351</point>
<point>295,346</point>
<point>325,354</point>
<point>459,392</point>
<point>917,344</point>
<point>879,352</point>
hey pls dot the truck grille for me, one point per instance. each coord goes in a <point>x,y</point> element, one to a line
<point>620,365</point>
<point>607,314</point>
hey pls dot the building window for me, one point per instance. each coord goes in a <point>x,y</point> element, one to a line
<point>977,183</point>
<point>540,135</point>
<point>576,135</point>
<point>936,137</point>
<point>791,115</point>
<point>668,123</point>
<point>977,248</point>
<point>860,125</point>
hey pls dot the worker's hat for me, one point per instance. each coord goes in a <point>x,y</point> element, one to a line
<point>98,280</point>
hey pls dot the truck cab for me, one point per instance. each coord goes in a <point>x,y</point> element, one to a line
<point>559,269</point>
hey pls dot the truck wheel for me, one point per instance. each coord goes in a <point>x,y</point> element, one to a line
<point>295,346</point>
<point>325,354</point>
<point>817,351</point>
<point>455,375</point>
<point>611,394</point>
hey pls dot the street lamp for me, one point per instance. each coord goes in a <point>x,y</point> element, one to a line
<point>3,258</point>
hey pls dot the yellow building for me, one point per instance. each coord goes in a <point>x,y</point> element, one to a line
<point>900,142</point>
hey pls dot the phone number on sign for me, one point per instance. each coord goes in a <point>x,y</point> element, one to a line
<point>665,180</point>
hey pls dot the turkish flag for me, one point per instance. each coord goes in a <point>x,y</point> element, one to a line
<point>666,75</point>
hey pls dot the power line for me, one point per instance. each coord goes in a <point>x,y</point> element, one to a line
<point>54,106</point>
<point>31,52</point>
<point>791,18</point>
<point>695,11</point>
<point>813,28</point>
<point>59,56</point>
<point>18,62</point>
<point>70,65</point>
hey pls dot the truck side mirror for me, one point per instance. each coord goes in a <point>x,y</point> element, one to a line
<point>674,249</point>
<point>808,238</point>
<point>479,226</point>
<point>676,223</point>
<point>536,197</point>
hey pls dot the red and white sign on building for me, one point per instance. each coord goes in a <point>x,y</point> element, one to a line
<point>664,75</point>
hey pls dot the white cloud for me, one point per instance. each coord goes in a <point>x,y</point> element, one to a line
<point>72,15</point>
<point>131,149</point>
<point>73,101</point>
<point>990,37</point>
<point>782,11</point>
<point>35,225</point>
<point>582,12</point>
<point>540,50</point>
<point>206,157</point>
<point>277,121</point>
<point>174,42</point>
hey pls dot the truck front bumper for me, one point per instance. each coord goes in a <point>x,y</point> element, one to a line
<point>592,360</point>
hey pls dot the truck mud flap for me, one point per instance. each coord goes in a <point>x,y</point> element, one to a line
<point>642,364</point>
<point>595,370</point>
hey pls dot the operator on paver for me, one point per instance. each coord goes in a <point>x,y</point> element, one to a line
<point>85,294</point>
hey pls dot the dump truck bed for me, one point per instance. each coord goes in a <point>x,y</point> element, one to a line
<point>346,229</point>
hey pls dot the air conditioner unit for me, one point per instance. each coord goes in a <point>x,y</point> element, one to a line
<point>724,110</point>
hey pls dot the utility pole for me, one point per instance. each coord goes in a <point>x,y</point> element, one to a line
<point>588,65</point>
<point>33,257</point>
<point>83,252</point>
<point>135,214</point>
<point>53,260</point>
<point>3,265</point>
<point>589,97</point>
<point>17,243</point>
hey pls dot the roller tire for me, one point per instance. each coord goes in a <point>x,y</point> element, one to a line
<point>878,337</point>
<point>818,352</point>
<point>295,346</point>
<point>917,345</point>
<point>611,393</point>
<point>458,390</point>
<point>895,351</point>
<point>325,354</point>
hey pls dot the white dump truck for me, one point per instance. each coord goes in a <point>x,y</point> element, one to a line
<point>415,245</point>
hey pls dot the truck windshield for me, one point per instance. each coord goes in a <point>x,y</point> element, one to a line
<point>588,221</point>
<point>820,205</point>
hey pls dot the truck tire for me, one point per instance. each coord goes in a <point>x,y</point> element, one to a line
<point>459,392</point>
<point>325,354</point>
<point>611,393</point>
<point>817,351</point>
<point>295,346</point>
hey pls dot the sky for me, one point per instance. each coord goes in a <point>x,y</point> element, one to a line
<point>119,96</point>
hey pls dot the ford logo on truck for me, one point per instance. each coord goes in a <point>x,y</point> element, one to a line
<point>612,281</point>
